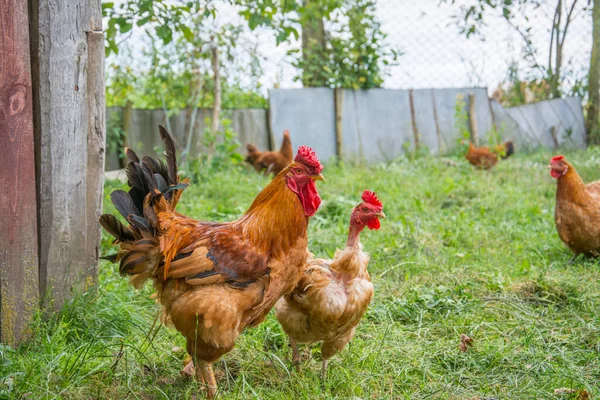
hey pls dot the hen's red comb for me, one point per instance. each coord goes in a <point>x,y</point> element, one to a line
<point>307,156</point>
<point>557,158</point>
<point>371,198</point>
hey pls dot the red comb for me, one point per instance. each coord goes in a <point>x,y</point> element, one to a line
<point>371,198</point>
<point>557,158</point>
<point>307,156</point>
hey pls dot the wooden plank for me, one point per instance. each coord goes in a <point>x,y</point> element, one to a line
<point>68,76</point>
<point>18,216</point>
<point>95,141</point>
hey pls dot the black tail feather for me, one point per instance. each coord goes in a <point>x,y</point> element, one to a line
<point>113,226</point>
<point>111,257</point>
<point>131,156</point>
<point>123,203</point>
<point>161,184</point>
<point>169,154</point>
<point>509,149</point>
<point>140,223</point>
<point>137,195</point>
<point>148,177</point>
<point>134,175</point>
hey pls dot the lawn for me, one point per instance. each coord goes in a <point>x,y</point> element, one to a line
<point>462,252</point>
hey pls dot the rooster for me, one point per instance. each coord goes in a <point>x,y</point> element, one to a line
<point>213,279</point>
<point>484,158</point>
<point>332,295</point>
<point>577,212</point>
<point>271,161</point>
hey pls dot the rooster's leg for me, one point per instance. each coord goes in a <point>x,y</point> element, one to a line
<point>324,372</point>
<point>188,369</point>
<point>205,374</point>
<point>295,354</point>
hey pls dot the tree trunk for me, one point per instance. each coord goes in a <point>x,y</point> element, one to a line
<point>593,108</point>
<point>68,90</point>
<point>19,278</point>
<point>313,45</point>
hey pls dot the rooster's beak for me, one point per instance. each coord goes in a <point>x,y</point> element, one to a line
<point>318,177</point>
<point>380,214</point>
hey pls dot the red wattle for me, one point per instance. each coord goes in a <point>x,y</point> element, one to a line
<point>374,223</point>
<point>555,174</point>
<point>310,198</point>
<point>308,195</point>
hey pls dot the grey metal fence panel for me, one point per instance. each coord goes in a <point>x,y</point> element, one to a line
<point>536,120</point>
<point>508,128</point>
<point>251,127</point>
<point>445,103</point>
<point>425,119</point>
<point>570,113</point>
<point>308,114</point>
<point>376,124</point>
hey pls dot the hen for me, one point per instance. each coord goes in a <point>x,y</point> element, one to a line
<point>213,279</point>
<point>332,295</point>
<point>271,161</point>
<point>484,158</point>
<point>577,212</point>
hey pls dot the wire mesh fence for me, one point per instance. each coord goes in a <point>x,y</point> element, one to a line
<point>437,54</point>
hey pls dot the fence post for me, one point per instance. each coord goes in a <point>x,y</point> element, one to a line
<point>413,119</point>
<point>18,213</point>
<point>338,99</point>
<point>69,118</point>
<point>473,120</point>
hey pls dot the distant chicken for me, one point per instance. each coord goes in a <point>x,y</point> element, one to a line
<point>484,158</point>
<point>577,212</point>
<point>213,279</point>
<point>332,295</point>
<point>271,162</point>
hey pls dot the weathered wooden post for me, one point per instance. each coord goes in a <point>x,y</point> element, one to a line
<point>18,216</point>
<point>68,91</point>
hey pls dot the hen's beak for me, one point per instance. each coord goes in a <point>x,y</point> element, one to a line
<point>318,177</point>
<point>380,214</point>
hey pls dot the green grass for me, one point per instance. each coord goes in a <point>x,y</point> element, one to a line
<point>462,251</point>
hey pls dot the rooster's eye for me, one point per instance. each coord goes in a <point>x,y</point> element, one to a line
<point>365,209</point>
<point>298,170</point>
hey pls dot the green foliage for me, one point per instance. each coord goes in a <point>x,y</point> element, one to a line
<point>461,123</point>
<point>163,87</point>
<point>166,17</point>
<point>462,251</point>
<point>115,135</point>
<point>355,53</point>
<point>550,75</point>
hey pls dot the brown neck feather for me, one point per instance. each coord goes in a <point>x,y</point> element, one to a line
<point>571,186</point>
<point>275,220</point>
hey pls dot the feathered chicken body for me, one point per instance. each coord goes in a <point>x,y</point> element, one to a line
<point>332,295</point>
<point>271,161</point>
<point>484,158</point>
<point>577,212</point>
<point>213,279</point>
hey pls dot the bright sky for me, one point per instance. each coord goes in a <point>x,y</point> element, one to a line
<point>435,53</point>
